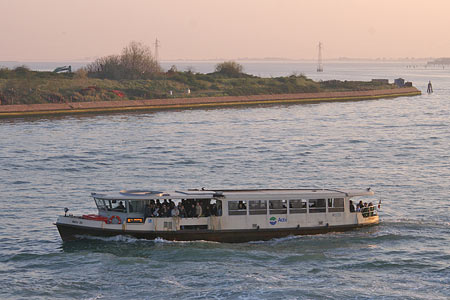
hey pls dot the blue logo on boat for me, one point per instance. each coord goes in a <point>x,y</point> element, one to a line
<point>273,221</point>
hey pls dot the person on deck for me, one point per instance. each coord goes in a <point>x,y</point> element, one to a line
<point>198,210</point>
<point>429,88</point>
<point>352,206</point>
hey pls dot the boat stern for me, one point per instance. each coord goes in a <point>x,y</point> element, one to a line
<point>369,220</point>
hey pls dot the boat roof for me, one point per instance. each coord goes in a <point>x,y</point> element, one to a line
<point>220,193</point>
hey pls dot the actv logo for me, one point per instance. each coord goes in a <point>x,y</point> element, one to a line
<point>274,220</point>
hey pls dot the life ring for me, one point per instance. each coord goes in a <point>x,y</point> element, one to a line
<point>110,221</point>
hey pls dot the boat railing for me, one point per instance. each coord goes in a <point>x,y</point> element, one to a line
<point>369,211</point>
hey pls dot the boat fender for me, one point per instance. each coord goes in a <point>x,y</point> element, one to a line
<point>110,221</point>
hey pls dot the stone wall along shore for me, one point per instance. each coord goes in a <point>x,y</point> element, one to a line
<point>124,105</point>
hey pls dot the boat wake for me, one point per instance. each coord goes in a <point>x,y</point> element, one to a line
<point>133,240</point>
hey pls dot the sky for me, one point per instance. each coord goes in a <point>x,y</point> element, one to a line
<point>61,30</point>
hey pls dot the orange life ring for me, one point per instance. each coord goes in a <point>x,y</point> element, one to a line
<point>115,217</point>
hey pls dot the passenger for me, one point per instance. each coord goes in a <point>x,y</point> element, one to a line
<point>214,210</point>
<point>198,210</point>
<point>165,203</point>
<point>207,211</point>
<point>219,208</point>
<point>120,206</point>
<point>371,209</point>
<point>192,211</point>
<point>156,212</point>
<point>359,206</point>
<point>352,206</point>
<point>241,205</point>
<point>182,211</point>
<point>130,207</point>
<point>174,212</point>
<point>365,210</point>
<point>165,211</point>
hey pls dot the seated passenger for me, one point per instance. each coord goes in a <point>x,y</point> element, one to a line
<point>120,206</point>
<point>241,205</point>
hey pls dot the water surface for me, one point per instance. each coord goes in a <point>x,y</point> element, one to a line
<point>398,147</point>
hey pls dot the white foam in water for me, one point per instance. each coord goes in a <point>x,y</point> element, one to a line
<point>130,239</point>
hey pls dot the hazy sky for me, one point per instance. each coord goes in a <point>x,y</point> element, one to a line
<point>225,29</point>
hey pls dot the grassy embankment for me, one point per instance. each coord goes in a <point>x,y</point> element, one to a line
<point>22,86</point>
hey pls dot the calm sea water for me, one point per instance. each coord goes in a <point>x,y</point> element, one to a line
<point>398,147</point>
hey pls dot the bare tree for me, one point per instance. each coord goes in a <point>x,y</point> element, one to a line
<point>135,62</point>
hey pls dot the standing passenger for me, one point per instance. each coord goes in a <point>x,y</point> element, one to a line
<point>430,88</point>
<point>198,210</point>
<point>352,206</point>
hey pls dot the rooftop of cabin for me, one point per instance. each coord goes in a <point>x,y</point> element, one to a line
<point>216,193</point>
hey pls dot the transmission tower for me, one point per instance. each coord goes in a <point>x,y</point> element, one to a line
<point>319,61</point>
<point>157,50</point>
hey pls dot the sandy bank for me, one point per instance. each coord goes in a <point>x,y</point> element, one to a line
<point>156,104</point>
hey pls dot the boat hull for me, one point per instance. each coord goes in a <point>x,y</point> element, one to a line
<point>72,232</point>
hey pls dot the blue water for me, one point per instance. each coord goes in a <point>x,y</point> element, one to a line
<point>398,147</point>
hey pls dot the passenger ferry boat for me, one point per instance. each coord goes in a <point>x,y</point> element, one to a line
<point>220,215</point>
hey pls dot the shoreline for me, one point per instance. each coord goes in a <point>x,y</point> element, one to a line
<point>12,111</point>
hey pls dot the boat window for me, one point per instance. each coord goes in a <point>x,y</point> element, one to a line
<point>135,206</point>
<point>257,207</point>
<point>278,206</point>
<point>100,204</point>
<point>317,205</point>
<point>108,204</point>
<point>236,208</point>
<point>115,205</point>
<point>297,206</point>
<point>336,205</point>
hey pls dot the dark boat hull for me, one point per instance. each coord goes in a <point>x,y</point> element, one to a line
<point>72,232</point>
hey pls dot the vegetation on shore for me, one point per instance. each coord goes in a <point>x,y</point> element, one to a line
<point>135,74</point>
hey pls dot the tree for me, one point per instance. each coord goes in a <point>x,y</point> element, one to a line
<point>229,68</point>
<point>135,62</point>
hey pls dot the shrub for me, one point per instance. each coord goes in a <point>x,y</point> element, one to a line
<point>229,69</point>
